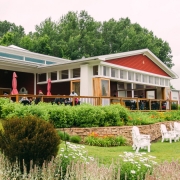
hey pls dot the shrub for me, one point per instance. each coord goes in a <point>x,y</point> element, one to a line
<point>63,135</point>
<point>75,139</point>
<point>28,138</point>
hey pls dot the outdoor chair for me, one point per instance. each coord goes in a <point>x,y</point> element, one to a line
<point>140,141</point>
<point>177,129</point>
<point>167,135</point>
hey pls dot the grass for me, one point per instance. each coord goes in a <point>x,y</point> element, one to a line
<point>162,151</point>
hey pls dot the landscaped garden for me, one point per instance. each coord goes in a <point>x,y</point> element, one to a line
<point>27,139</point>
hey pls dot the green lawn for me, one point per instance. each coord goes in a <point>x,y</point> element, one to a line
<point>162,151</point>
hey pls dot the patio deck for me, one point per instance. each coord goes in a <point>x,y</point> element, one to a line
<point>133,104</point>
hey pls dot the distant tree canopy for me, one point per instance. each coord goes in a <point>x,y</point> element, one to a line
<point>78,35</point>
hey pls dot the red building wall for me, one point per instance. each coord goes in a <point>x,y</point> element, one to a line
<point>139,62</point>
<point>23,80</point>
<point>62,88</point>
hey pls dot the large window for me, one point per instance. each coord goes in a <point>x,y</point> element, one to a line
<point>122,74</point>
<point>76,73</point>
<point>156,80</point>
<point>105,71</point>
<point>138,77</point>
<point>144,78</point>
<point>53,76</point>
<point>130,75</point>
<point>41,77</point>
<point>95,70</point>
<point>64,74</point>
<point>166,82</point>
<point>113,72</point>
<point>151,79</point>
<point>161,81</point>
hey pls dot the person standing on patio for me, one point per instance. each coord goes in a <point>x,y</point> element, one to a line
<point>73,93</point>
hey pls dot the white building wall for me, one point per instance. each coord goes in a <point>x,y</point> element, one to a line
<point>175,95</point>
<point>86,82</point>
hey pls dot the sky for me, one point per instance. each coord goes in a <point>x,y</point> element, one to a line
<point>162,17</point>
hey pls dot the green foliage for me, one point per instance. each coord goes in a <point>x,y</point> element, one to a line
<point>78,35</point>
<point>106,141</point>
<point>63,135</point>
<point>75,139</point>
<point>84,115</point>
<point>27,139</point>
<point>10,33</point>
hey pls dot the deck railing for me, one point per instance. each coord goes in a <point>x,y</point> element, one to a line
<point>132,104</point>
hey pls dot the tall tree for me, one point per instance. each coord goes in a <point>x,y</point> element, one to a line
<point>10,33</point>
<point>78,35</point>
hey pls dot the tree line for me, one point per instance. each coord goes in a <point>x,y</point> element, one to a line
<point>76,35</point>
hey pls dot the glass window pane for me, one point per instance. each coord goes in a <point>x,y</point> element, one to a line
<point>120,85</point>
<point>130,75</point>
<point>138,77</point>
<point>156,80</point>
<point>64,74</point>
<point>129,86</point>
<point>161,81</point>
<point>49,62</point>
<point>76,73</point>
<point>113,72</point>
<point>166,82</point>
<point>144,78</point>
<point>11,56</point>
<point>34,60</point>
<point>53,75</point>
<point>105,87</point>
<point>150,79</point>
<point>42,77</point>
<point>76,87</point>
<point>95,70</point>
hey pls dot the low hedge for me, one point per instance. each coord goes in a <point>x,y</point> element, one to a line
<point>61,116</point>
<point>85,115</point>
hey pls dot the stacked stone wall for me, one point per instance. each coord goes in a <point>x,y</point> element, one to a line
<point>153,130</point>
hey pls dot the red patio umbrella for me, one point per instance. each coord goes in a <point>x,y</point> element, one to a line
<point>14,84</point>
<point>49,87</point>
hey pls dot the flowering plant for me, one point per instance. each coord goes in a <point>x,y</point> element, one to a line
<point>105,141</point>
<point>135,165</point>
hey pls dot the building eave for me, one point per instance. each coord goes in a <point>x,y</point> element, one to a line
<point>145,52</point>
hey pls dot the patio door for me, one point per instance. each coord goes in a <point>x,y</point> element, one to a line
<point>75,85</point>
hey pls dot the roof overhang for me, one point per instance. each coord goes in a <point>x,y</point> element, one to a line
<point>145,52</point>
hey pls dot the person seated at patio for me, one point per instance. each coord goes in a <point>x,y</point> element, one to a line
<point>65,101</point>
<point>141,103</point>
<point>38,99</point>
<point>24,100</point>
<point>57,100</point>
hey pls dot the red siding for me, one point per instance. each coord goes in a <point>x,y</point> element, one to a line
<point>139,62</point>
<point>23,80</point>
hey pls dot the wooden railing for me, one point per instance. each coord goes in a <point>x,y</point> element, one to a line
<point>132,104</point>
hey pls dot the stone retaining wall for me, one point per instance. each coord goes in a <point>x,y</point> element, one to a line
<point>153,130</point>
